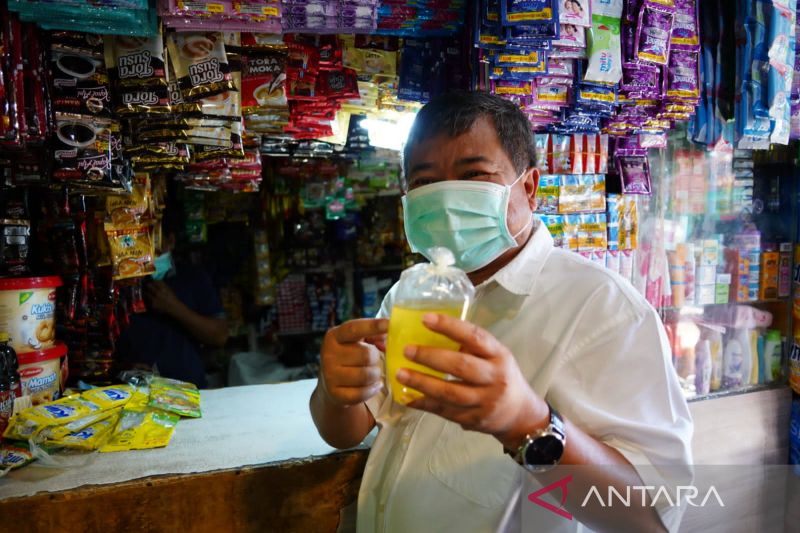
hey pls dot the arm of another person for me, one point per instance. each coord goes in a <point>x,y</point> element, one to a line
<point>209,330</point>
<point>349,376</point>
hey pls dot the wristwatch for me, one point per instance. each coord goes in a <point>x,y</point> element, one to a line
<point>542,450</point>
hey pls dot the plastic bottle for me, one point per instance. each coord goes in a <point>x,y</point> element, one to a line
<point>772,356</point>
<point>6,396</point>
<point>436,287</point>
<point>737,360</point>
<point>11,365</point>
<point>755,366</point>
<point>702,378</point>
<point>716,349</point>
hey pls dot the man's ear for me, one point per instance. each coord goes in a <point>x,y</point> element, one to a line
<point>531,186</point>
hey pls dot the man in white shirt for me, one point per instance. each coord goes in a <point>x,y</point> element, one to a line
<point>562,362</point>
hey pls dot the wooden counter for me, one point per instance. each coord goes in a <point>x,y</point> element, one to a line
<point>286,478</point>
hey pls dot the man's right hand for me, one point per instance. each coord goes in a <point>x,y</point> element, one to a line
<point>350,364</point>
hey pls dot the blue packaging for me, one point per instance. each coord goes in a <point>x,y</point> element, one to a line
<point>528,12</point>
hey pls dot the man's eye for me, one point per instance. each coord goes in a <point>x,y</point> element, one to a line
<point>419,182</point>
<point>473,174</point>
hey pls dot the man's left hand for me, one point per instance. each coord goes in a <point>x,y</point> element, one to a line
<point>162,299</point>
<point>492,395</point>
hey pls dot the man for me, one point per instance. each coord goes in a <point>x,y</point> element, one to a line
<point>183,312</point>
<point>563,363</point>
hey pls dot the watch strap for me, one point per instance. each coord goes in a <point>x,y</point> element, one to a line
<point>555,428</point>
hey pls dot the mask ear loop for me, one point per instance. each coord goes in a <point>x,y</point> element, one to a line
<point>520,232</point>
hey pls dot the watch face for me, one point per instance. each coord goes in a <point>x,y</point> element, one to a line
<point>545,450</point>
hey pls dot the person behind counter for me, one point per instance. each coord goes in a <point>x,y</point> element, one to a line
<point>184,313</point>
<point>566,364</point>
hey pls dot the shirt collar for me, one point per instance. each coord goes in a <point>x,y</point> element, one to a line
<point>519,275</point>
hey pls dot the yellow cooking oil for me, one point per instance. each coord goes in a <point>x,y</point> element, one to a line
<point>406,328</point>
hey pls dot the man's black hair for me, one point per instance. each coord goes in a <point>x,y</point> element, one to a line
<point>454,113</point>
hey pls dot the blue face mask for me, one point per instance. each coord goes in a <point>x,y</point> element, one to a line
<point>163,265</point>
<point>467,217</point>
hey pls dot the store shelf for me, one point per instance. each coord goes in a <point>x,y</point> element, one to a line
<point>741,390</point>
<point>381,268</point>
<point>705,306</point>
<point>304,333</point>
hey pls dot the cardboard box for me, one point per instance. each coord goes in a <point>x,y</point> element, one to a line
<point>769,275</point>
<point>710,254</point>
<point>706,275</point>
<point>785,270</point>
<point>705,294</point>
<point>722,293</point>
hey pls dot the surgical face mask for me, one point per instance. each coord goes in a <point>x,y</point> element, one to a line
<point>467,217</point>
<point>163,265</point>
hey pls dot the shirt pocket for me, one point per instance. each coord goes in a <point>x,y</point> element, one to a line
<point>474,466</point>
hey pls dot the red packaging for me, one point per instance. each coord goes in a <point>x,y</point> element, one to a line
<point>339,84</point>
<point>577,154</point>
<point>6,406</point>
<point>263,80</point>
<point>302,60</point>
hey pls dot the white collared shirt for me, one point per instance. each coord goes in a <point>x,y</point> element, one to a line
<point>589,344</point>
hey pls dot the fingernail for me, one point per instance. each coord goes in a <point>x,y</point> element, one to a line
<point>402,375</point>
<point>430,319</point>
<point>410,352</point>
<point>383,326</point>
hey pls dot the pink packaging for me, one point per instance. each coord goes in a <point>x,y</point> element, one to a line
<point>626,264</point>
<point>577,153</point>
<point>613,260</point>
<point>589,155</point>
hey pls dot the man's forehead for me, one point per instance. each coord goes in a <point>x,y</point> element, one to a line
<point>479,141</point>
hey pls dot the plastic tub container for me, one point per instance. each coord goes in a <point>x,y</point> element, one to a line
<point>42,373</point>
<point>27,312</point>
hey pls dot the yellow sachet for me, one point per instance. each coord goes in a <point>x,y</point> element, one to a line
<point>141,430</point>
<point>109,397</point>
<point>53,433</point>
<point>34,419</point>
<point>91,437</point>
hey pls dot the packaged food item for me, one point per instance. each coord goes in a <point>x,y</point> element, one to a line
<point>27,312</point>
<point>685,27</point>
<point>436,287</point>
<point>141,430</point>
<point>263,81</point>
<point>41,373</point>
<point>540,12</point>
<point>80,81</point>
<point>137,61</point>
<point>31,421</point>
<point>654,32</point>
<point>14,456</point>
<point>130,209</point>
<point>175,396</point>
<point>89,438</point>
<point>132,251</point>
<point>109,397</point>
<point>576,12</point>
<point>200,64</point>
<point>88,152</point>
<point>547,194</point>
<point>604,51</point>
<point>634,171</point>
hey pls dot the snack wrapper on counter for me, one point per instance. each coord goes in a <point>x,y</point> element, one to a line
<point>89,438</point>
<point>175,396</point>
<point>31,421</point>
<point>141,430</point>
<point>109,397</point>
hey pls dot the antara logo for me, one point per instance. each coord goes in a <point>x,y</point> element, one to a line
<point>560,511</point>
<point>676,497</point>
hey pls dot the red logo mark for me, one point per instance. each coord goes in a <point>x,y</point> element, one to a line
<point>31,371</point>
<point>560,511</point>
